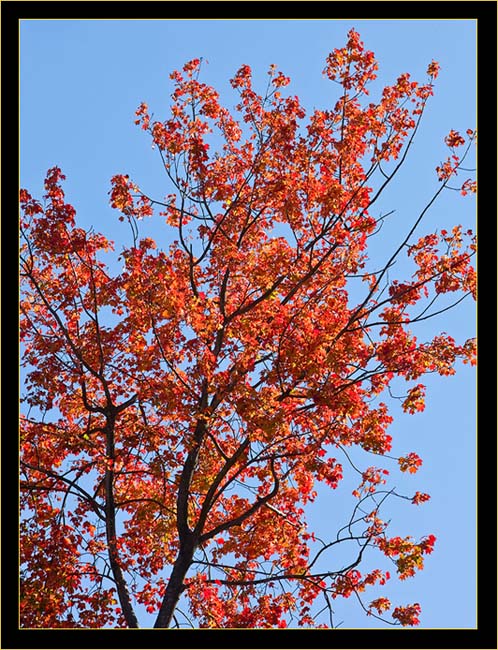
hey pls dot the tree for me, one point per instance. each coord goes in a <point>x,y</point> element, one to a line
<point>180,410</point>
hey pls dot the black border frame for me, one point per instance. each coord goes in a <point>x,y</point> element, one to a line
<point>485,635</point>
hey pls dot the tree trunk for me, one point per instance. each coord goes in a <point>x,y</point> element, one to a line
<point>110,525</point>
<point>175,584</point>
<point>188,540</point>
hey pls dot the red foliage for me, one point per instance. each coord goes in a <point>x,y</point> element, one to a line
<point>179,412</point>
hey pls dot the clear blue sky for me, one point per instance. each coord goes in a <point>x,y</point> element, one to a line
<point>81,82</point>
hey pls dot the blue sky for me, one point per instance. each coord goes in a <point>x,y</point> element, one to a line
<point>81,82</point>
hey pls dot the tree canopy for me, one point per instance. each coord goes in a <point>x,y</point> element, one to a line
<point>180,410</point>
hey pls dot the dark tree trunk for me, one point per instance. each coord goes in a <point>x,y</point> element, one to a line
<point>175,584</point>
<point>110,521</point>
<point>187,538</point>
